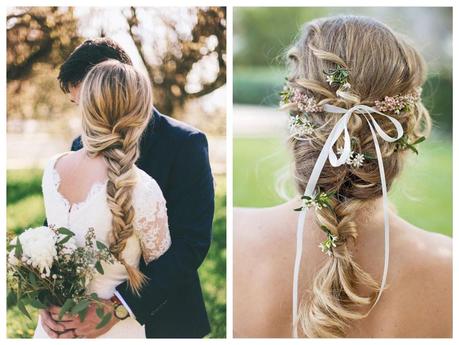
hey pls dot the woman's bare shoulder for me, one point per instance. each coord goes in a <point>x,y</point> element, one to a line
<point>261,228</point>
<point>425,281</point>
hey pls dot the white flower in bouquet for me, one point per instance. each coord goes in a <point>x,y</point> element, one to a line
<point>39,248</point>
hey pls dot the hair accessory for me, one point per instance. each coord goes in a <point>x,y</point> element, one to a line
<point>355,159</point>
<point>318,201</point>
<point>403,144</point>
<point>327,245</point>
<point>327,153</point>
<point>338,76</point>
<point>399,103</point>
<point>300,126</point>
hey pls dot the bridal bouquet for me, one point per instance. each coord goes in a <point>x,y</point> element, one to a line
<point>45,267</point>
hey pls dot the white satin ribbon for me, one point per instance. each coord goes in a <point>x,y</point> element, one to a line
<point>328,152</point>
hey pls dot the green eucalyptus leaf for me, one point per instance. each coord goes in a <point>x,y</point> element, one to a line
<point>82,314</point>
<point>99,267</point>
<point>104,321</point>
<point>65,231</point>
<point>36,303</point>
<point>18,249</point>
<point>100,245</point>
<point>65,239</point>
<point>11,299</point>
<point>22,308</point>
<point>82,305</point>
<point>100,312</point>
<point>69,303</point>
<point>33,279</point>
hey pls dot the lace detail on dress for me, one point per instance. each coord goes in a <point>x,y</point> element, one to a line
<point>151,220</point>
<point>96,188</point>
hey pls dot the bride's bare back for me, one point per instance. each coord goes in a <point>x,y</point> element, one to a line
<point>416,303</point>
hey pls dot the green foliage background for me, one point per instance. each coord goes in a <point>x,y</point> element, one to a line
<point>25,209</point>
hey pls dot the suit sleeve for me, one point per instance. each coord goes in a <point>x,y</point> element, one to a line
<point>190,204</point>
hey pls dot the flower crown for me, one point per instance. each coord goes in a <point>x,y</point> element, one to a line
<point>301,104</point>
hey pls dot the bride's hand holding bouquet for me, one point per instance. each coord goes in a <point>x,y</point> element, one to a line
<point>47,270</point>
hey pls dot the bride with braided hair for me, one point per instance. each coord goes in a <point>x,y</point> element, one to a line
<point>353,94</point>
<point>100,187</point>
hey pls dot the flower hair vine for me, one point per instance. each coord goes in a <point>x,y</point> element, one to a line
<point>327,245</point>
<point>338,76</point>
<point>302,104</point>
<point>319,201</point>
<point>306,110</point>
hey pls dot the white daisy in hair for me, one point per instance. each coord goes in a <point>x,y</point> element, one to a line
<point>300,126</point>
<point>358,160</point>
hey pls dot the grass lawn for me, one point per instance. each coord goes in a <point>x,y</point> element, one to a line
<point>25,209</point>
<point>422,195</point>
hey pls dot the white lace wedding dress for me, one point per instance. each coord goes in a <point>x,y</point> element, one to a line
<point>151,239</point>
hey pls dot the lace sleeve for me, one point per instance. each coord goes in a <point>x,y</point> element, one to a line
<point>151,222</point>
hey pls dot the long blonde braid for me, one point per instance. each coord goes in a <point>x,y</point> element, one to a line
<point>116,105</point>
<point>381,63</point>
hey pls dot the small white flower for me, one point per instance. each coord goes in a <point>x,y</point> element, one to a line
<point>317,205</point>
<point>54,276</point>
<point>357,161</point>
<point>325,249</point>
<point>330,79</point>
<point>333,239</point>
<point>340,150</point>
<point>346,86</point>
<point>350,160</point>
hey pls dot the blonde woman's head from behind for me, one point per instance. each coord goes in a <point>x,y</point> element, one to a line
<point>116,105</point>
<point>380,63</point>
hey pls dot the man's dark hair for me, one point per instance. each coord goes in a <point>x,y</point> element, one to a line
<point>85,56</point>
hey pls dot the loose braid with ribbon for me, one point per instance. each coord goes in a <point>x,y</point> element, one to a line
<point>116,104</point>
<point>343,116</point>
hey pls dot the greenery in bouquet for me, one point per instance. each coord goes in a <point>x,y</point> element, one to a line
<point>46,267</point>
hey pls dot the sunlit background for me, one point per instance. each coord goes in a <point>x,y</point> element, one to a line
<point>183,50</point>
<point>423,193</point>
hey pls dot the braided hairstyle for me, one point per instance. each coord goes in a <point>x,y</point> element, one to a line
<point>116,105</point>
<point>380,63</point>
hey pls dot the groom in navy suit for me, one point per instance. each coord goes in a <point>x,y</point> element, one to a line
<point>171,304</point>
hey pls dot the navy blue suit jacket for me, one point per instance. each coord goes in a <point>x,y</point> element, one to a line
<point>171,305</point>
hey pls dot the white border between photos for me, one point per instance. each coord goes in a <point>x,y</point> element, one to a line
<point>229,151</point>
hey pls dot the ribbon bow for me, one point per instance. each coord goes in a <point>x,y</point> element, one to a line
<point>328,152</point>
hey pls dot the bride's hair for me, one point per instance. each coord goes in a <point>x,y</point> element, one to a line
<point>116,105</point>
<point>380,63</point>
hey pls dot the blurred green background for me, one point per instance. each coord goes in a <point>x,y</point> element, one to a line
<point>25,209</point>
<point>423,194</point>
